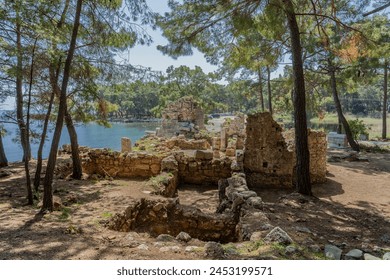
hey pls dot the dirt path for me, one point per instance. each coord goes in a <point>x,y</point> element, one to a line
<point>353,210</point>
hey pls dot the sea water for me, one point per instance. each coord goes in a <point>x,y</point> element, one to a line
<point>91,135</point>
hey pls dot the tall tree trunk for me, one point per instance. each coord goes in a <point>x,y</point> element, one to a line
<point>53,76</point>
<point>269,90</point>
<point>30,197</point>
<point>48,190</point>
<point>347,129</point>
<point>19,92</point>
<point>3,157</point>
<point>384,109</point>
<point>76,161</point>
<point>302,169</point>
<point>261,95</point>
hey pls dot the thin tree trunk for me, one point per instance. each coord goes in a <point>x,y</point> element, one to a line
<point>48,190</point>
<point>19,93</point>
<point>302,169</point>
<point>269,90</point>
<point>76,161</point>
<point>384,109</point>
<point>38,170</point>
<point>27,160</point>
<point>339,110</point>
<point>261,95</point>
<point>3,157</point>
<point>339,126</point>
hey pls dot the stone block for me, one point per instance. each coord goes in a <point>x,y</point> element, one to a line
<point>169,164</point>
<point>230,152</point>
<point>204,154</point>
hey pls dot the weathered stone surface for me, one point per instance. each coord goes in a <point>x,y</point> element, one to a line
<point>290,249</point>
<point>202,154</point>
<point>332,252</point>
<point>173,218</point>
<point>385,238</point>
<point>122,165</point>
<point>192,248</point>
<point>269,157</point>
<point>125,145</point>
<point>278,235</point>
<point>183,116</point>
<point>354,254</point>
<point>369,257</point>
<point>248,194</point>
<point>169,164</point>
<point>303,229</point>
<point>256,236</point>
<point>214,250</point>
<point>386,256</point>
<point>183,236</point>
<point>165,238</point>
<point>174,249</point>
<point>255,202</point>
<point>234,129</point>
<point>143,247</point>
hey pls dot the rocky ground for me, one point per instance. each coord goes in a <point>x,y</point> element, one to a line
<point>351,211</point>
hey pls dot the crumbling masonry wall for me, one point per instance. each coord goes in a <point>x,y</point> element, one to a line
<point>123,165</point>
<point>184,116</point>
<point>193,167</point>
<point>269,158</point>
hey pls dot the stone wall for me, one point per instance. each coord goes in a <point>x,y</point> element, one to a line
<point>267,161</point>
<point>182,143</point>
<point>169,217</point>
<point>269,157</point>
<point>199,167</point>
<point>317,148</point>
<point>182,117</point>
<point>235,130</point>
<point>192,167</point>
<point>123,165</point>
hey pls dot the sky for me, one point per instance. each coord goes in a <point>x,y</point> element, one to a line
<point>149,56</point>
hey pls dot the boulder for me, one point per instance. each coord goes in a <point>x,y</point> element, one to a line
<point>183,236</point>
<point>214,250</point>
<point>279,236</point>
<point>354,254</point>
<point>332,252</point>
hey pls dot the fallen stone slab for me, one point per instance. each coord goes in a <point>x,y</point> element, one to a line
<point>369,257</point>
<point>354,254</point>
<point>332,252</point>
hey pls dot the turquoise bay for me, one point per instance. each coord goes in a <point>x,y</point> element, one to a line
<point>91,135</point>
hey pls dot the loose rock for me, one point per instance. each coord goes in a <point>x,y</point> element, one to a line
<point>369,257</point>
<point>165,238</point>
<point>183,236</point>
<point>354,254</point>
<point>332,252</point>
<point>278,235</point>
<point>214,251</point>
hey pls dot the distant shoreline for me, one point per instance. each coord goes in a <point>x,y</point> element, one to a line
<point>132,120</point>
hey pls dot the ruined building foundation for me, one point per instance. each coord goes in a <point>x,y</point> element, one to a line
<point>243,158</point>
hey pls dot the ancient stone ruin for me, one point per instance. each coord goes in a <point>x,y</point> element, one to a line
<point>184,116</point>
<point>249,153</point>
<point>269,157</point>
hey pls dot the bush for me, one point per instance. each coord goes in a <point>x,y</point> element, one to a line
<point>358,127</point>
